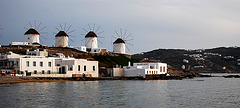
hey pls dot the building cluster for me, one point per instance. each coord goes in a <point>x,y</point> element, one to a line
<point>38,63</point>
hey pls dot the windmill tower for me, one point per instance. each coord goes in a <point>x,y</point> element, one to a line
<point>119,46</point>
<point>32,36</point>
<point>61,39</point>
<point>123,39</point>
<point>91,40</point>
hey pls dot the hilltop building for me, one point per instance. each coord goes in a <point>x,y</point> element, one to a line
<point>119,46</point>
<point>61,39</point>
<point>32,36</point>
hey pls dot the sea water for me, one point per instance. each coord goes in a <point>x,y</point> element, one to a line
<point>197,92</point>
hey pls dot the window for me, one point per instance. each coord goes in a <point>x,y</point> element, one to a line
<point>85,68</point>
<point>34,63</point>
<point>160,68</point>
<point>35,71</point>
<point>164,69</point>
<point>41,64</point>
<point>27,63</point>
<point>49,72</point>
<point>70,68</point>
<point>17,64</point>
<point>49,64</point>
<point>93,68</point>
<point>78,67</point>
<point>42,71</point>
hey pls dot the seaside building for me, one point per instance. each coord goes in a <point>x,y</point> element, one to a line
<point>37,64</point>
<point>143,69</point>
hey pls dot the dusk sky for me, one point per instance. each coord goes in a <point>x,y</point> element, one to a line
<point>154,24</point>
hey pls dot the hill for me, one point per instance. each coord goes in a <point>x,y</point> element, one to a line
<point>214,60</point>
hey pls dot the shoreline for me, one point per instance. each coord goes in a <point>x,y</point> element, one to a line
<point>24,79</point>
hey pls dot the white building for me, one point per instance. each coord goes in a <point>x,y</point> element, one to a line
<point>18,43</point>
<point>119,46</point>
<point>32,36</point>
<point>61,39</point>
<point>80,48</point>
<point>91,40</point>
<point>143,69</point>
<point>41,66</point>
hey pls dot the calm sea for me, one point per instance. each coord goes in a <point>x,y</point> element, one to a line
<point>197,92</point>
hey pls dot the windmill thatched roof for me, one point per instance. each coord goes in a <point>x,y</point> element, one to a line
<point>31,31</point>
<point>91,34</point>
<point>119,40</point>
<point>61,33</point>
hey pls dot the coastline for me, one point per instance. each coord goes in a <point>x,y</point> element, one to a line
<point>20,79</point>
<point>24,79</point>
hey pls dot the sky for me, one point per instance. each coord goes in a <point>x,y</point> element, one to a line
<point>154,24</point>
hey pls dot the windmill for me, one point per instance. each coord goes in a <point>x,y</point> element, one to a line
<point>123,40</point>
<point>91,38</point>
<point>62,37</point>
<point>32,34</point>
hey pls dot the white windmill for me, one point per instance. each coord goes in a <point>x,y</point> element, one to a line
<point>91,38</point>
<point>32,35</point>
<point>124,37</point>
<point>61,38</point>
